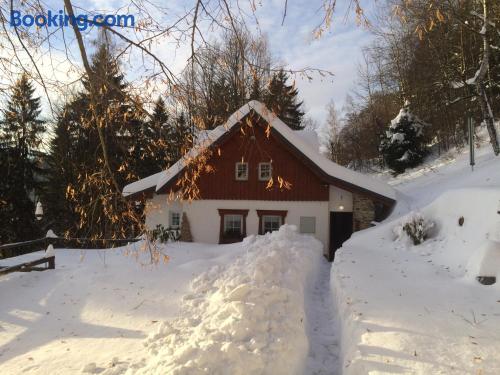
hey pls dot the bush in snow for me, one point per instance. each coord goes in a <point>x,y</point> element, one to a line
<point>162,234</point>
<point>415,226</point>
<point>402,146</point>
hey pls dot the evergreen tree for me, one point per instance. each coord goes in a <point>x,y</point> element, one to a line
<point>92,203</point>
<point>158,151</point>
<point>69,156</point>
<point>21,132</point>
<point>282,99</point>
<point>182,137</point>
<point>256,92</point>
<point>402,146</point>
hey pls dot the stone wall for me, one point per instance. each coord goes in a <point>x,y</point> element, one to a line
<point>363,212</point>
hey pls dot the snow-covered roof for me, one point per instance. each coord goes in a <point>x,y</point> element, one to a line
<point>141,185</point>
<point>333,170</point>
<point>310,136</point>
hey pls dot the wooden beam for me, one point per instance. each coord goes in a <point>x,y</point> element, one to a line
<point>28,266</point>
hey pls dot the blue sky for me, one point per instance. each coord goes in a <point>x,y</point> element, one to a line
<point>292,43</point>
<point>338,50</point>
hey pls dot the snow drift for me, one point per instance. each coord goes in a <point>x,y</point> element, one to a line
<point>246,318</point>
<point>419,309</point>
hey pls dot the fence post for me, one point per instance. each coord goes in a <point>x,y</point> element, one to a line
<point>50,241</point>
<point>51,263</point>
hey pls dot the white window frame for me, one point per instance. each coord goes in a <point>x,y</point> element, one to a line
<point>273,217</point>
<point>226,220</point>
<point>171,219</point>
<point>261,178</point>
<point>241,178</point>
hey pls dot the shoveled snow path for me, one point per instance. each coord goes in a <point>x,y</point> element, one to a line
<point>321,327</point>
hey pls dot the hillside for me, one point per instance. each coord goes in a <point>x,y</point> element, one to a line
<point>407,308</point>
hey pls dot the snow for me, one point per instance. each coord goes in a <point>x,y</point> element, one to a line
<point>246,318</point>
<point>419,309</point>
<point>51,234</point>
<point>95,306</point>
<point>142,184</point>
<point>330,168</point>
<point>472,81</point>
<point>309,136</point>
<point>486,261</point>
<point>457,85</point>
<point>405,156</point>
<point>397,137</point>
<point>50,252</point>
<point>404,112</point>
<point>322,327</point>
<point>218,309</point>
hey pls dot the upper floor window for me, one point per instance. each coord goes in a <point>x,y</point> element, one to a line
<point>241,171</point>
<point>265,171</point>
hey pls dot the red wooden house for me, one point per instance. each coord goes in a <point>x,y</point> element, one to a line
<point>237,198</point>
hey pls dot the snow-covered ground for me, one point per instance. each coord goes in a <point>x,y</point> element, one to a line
<point>228,309</point>
<point>96,306</point>
<point>418,309</point>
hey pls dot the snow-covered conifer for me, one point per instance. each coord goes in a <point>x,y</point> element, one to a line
<point>402,145</point>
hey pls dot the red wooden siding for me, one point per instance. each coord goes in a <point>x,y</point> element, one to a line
<point>255,147</point>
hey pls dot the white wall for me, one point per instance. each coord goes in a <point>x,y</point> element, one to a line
<point>340,198</point>
<point>205,220</point>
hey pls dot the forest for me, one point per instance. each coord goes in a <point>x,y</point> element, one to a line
<point>440,59</point>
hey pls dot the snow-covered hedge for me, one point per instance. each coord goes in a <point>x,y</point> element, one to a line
<point>247,318</point>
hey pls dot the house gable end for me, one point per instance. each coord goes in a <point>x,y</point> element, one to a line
<point>247,141</point>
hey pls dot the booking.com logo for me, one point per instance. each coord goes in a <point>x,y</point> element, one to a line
<point>61,19</point>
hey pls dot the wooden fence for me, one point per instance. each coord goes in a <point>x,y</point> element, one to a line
<point>21,248</point>
<point>26,247</point>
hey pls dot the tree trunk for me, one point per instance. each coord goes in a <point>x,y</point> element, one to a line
<point>488,117</point>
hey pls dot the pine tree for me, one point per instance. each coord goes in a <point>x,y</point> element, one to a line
<point>402,146</point>
<point>256,93</point>
<point>182,137</point>
<point>157,153</point>
<point>77,159</point>
<point>68,156</point>
<point>21,132</point>
<point>282,99</point>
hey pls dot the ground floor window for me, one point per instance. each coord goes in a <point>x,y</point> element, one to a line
<point>270,223</point>
<point>270,220</point>
<point>232,225</point>
<point>175,220</point>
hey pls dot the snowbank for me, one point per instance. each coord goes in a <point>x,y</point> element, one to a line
<point>419,309</point>
<point>247,318</point>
